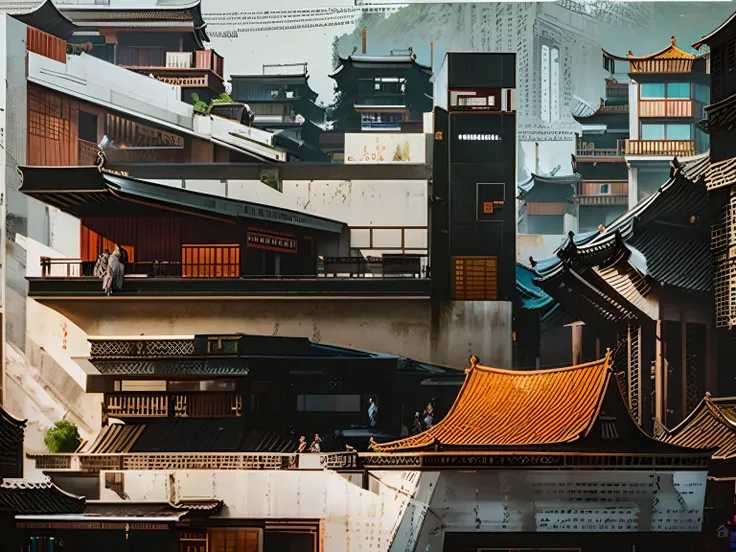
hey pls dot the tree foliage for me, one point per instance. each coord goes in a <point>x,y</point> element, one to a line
<point>203,107</point>
<point>63,436</point>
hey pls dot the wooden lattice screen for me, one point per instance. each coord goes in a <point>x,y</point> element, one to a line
<point>723,250</point>
<point>475,278</point>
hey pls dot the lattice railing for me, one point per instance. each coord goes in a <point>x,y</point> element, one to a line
<point>142,406</point>
<point>627,363</point>
<point>695,364</point>
<point>117,348</point>
<point>207,406</point>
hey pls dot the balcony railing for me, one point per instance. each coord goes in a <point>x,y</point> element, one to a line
<point>94,463</point>
<point>44,44</point>
<point>660,147</point>
<point>665,108</point>
<point>588,149</point>
<point>603,199</point>
<point>390,275</point>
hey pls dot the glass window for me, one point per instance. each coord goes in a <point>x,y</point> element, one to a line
<point>652,90</point>
<point>678,90</point>
<point>702,93</point>
<point>187,386</point>
<point>678,132</point>
<point>652,132</point>
<point>605,189</point>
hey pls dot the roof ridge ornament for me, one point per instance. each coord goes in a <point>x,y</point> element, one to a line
<point>673,41</point>
<point>473,364</point>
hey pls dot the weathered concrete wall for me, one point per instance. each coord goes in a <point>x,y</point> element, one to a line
<point>394,203</point>
<point>446,334</point>
<point>356,519</point>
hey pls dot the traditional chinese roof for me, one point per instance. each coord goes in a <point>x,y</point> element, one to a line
<point>90,191</point>
<point>187,435</point>
<point>585,112</point>
<point>664,240</point>
<point>575,410</point>
<point>174,13</point>
<point>153,512</point>
<point>548,188</point>
<point>712,425</point>
<point>668,60</point>
<point>517,408</point>
<point>24,497</point>
<point>713,35</point>
<point>670,52</point>
<point>11,445</point>
<point>362,61</point>
<point>44,16</point>
<point>534,298</point>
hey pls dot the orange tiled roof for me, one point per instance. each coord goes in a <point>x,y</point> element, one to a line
<point>670,52</point>
<point>712,425</point>
<point>506,407</point>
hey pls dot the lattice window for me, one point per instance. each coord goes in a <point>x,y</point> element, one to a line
<point>716,72</point>
<point>45,125</point>
<point>475,278</point>
<point>694,364</point>
<point>723,251</point>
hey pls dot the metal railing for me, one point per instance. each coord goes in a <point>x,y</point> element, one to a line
<point>388,266</point>
<point>193,461</point>
<point>602,199</point>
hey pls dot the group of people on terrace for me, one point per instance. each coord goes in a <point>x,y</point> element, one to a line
<point>110,267</point>
<point>316,445</point>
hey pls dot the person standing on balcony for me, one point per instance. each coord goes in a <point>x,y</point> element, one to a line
<point>316,444</point>
<point>372,413</point>
<point>429,416</point>
<point>116,271</point>
<point>416,427</point>
<point>302,445</point>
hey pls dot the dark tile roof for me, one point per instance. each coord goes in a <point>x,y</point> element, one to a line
<point>152,510</point>
<point>197,367</point>
<point>11,445</point>
<point>187,435</point>
<point>44,497</point>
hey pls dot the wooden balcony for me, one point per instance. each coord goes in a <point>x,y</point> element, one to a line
<point>200,69</point>
<point>666,108</point>
<point>391,276</point>
<point>669,148</point>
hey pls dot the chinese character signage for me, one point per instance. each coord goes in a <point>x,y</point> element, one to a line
<point>272,242</point>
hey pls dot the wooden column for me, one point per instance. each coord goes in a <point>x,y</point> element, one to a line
<point>659,375</point>
<point>577,344</point>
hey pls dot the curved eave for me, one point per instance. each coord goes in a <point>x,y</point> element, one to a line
<point>47,18</point>
<point>713,33</point>
<point>680,54</point>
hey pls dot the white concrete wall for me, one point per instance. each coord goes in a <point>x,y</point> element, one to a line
<point>355,202</point>
<point>633,110</point>
<point>355,519</point>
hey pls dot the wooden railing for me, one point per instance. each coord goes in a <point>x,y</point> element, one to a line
<point>209,59</point>
<point>46,45</point>
<point>593,187</point>
<point>189,461</point>
<point>665,108</point>
<point>389,238</point>
<point>88,153</point>
<point>208,406</point>
<point>153,57</point>
<point>139,406</point>
<point>660,147</point>
<point>588,149</point>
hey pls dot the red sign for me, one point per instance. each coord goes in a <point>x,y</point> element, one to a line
<point>272,242</point>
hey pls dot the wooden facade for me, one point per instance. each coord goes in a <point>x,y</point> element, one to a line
<point>64,131</point>
<point>671,148</point>
<point>190,246</point>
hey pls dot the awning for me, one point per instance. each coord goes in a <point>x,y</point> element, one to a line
<point>88,191</point>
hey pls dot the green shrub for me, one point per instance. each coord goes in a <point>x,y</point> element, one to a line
<point>63,436</point>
